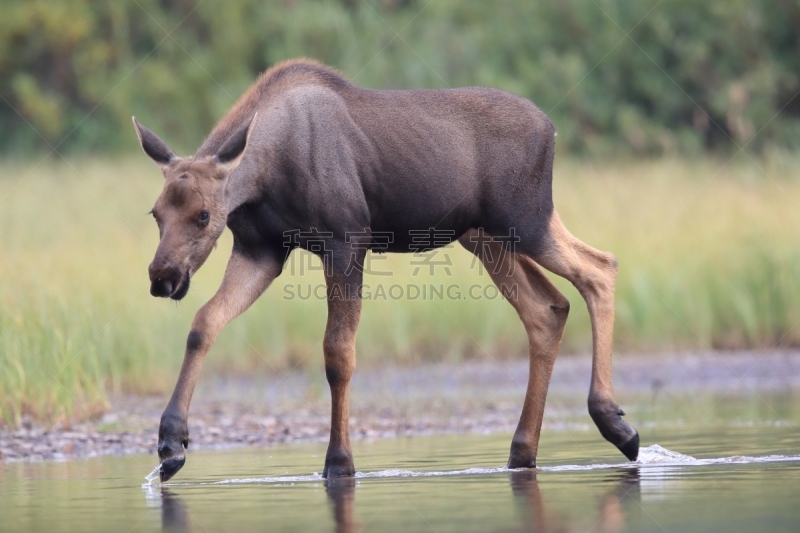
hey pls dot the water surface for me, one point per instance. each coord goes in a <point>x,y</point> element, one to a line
<point>738,477</point>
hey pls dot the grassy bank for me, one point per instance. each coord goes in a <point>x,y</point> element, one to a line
<point>709,257</point>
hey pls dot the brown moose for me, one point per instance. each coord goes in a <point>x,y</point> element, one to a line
<point>306,153</point>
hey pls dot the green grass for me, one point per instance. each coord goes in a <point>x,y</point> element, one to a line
<point>709,258</point>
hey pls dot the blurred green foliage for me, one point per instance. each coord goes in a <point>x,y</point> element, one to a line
<point>708,256</point>
<point>644,77</point>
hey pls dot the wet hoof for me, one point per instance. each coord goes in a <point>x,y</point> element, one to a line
<point>173,439</point>
<point>607,417</point>
<point>631,448</point>
<point>173,457</point>
<point>338,463</point>
<point>170,467</point>
<point>521,456</point>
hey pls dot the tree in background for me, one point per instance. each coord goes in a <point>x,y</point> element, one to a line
<point>614,75</point>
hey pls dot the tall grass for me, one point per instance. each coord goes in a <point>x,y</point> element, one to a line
<point>709,258</point>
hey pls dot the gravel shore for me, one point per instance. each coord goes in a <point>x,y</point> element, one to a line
<point>394,401</point>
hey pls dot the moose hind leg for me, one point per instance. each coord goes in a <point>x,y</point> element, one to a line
<point>339,347</point>
<point>543,310</point>
<point>594,274</point>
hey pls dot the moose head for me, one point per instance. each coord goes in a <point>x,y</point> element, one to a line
<point>190,211</point>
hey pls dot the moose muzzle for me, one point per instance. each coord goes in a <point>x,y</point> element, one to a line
<point>168,281</point>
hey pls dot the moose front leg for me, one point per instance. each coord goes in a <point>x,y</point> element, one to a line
<point>246,278</point>
<point>339,347</point>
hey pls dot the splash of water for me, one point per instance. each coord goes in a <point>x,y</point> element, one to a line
<point>656,454</point>
<point>155,475</point>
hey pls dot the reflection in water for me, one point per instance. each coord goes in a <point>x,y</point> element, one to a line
<point>625,487</point>
<point>341,494</point>
<point>537,517</point>
<point>720,493</point>
<point>174,516</point>
<point>535,514</point>
<point>528,497</point>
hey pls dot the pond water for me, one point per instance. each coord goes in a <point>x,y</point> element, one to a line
<point>732,477</point>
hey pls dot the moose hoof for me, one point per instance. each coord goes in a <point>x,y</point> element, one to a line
<point>338,463</point>
<point>173,439</point>
<point>631,448</point>
<point>170,467</point>
<point>607,417</point>
<point>173,457</point>
<point>521,456</point>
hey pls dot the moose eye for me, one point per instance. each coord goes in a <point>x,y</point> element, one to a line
<point>203,218</point>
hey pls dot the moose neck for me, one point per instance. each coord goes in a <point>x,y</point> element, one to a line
<point>245,182</point>
<point>238,186</point>
<point>278,79</point>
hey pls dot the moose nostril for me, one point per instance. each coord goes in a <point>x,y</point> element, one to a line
<point>161,287</point>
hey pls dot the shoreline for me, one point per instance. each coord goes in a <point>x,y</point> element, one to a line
<point>391,402</point>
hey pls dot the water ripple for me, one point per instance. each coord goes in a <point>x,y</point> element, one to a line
<point>650,456</point>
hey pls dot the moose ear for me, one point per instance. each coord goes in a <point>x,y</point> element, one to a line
<point>153,146</point>
<point>236,143</point>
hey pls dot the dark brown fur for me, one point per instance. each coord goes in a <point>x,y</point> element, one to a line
<point>305,156</point>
